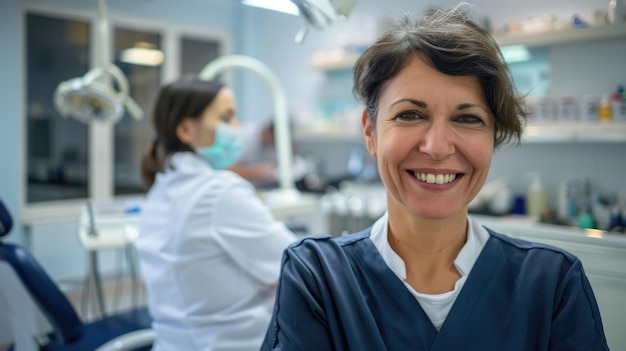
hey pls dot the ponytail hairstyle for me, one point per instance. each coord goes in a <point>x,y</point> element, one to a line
<point>184,98</point>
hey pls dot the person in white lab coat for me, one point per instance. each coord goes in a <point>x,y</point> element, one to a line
<point>209,249</point>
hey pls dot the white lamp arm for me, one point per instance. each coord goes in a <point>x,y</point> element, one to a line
<point>281,120</point>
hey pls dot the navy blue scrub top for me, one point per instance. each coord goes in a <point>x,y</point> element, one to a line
<point>339,294</point>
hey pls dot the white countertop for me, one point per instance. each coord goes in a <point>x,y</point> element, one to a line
<point>525,226</point>
<point>117,222</point>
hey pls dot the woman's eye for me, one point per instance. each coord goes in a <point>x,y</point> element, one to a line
<point>469,119</point>
<point>227,118</point>
<point>408,116</point>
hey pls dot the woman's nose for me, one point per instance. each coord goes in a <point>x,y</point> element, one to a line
<point>437,141</point>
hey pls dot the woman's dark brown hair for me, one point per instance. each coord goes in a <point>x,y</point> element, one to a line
<point>185,98</point>
<point>454,45</point>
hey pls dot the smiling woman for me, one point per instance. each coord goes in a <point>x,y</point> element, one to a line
<point>438,101</point>
<point>423,137</point>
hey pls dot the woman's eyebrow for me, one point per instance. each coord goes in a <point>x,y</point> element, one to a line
<point>423,104</point>
<point>469,105</point>
<point>415,102</point>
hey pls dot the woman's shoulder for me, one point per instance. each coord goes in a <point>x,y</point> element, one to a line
<point>512,245</point>
<point>184,166</point>
<point>326,244</point>
<point>190,180</point>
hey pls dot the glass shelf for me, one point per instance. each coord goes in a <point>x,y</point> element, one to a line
<point>591,132</point>
<point>569,35</point>
<point>338,60</point>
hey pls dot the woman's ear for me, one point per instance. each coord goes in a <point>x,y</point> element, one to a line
<point>369,133</point>
<point>184,131</point>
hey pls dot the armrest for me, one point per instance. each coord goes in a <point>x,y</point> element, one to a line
<point>129,341</point>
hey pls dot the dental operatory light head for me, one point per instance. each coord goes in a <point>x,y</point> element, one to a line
<point>89,98</point>
<point>319,14</point>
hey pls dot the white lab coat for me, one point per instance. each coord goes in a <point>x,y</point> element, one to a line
<point>209,251</point>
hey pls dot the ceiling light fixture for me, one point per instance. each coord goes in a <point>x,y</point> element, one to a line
<point>319,14</point>
<point>284,6</point>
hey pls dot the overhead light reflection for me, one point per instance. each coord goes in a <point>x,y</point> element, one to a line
<point>594,233</point>
<point>142,54</point>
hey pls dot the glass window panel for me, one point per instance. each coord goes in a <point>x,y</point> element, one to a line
<point>133,136</point>
<point>57,148</point>
<point>196,53</point>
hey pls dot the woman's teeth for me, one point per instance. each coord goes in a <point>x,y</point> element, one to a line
<point>435,178</point>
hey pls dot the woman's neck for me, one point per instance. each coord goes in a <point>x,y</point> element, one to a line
<point>428,248</point>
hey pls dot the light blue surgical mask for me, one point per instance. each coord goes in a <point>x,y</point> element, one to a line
<point>226,149</point>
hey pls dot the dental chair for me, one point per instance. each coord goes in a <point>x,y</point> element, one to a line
<point>27,292</point>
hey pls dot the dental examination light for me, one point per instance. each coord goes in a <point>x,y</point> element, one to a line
<point>286,193</point>
<point>92,97</point>
<point>319,14</point>
<point>89,99</point>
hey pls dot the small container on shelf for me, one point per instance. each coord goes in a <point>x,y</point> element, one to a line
<point>541,109</point>
<point>618,103</point>
<point>536,197</point>
<point>589,108</point>
<point>567,109</point>
<point>605,109</point>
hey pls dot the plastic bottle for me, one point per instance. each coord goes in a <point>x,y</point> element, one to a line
<point>619,104</point>
<point>563,203</point>
<point>605,109</point>
<point>536,198</point>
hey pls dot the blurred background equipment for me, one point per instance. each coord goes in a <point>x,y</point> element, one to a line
<point>319,14</point>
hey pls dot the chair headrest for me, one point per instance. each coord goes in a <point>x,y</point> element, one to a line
<point>6,223</point>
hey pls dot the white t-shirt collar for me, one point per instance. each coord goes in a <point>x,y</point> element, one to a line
<point>477,236</point>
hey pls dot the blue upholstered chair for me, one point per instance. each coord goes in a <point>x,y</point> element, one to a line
<point>22,274</point>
